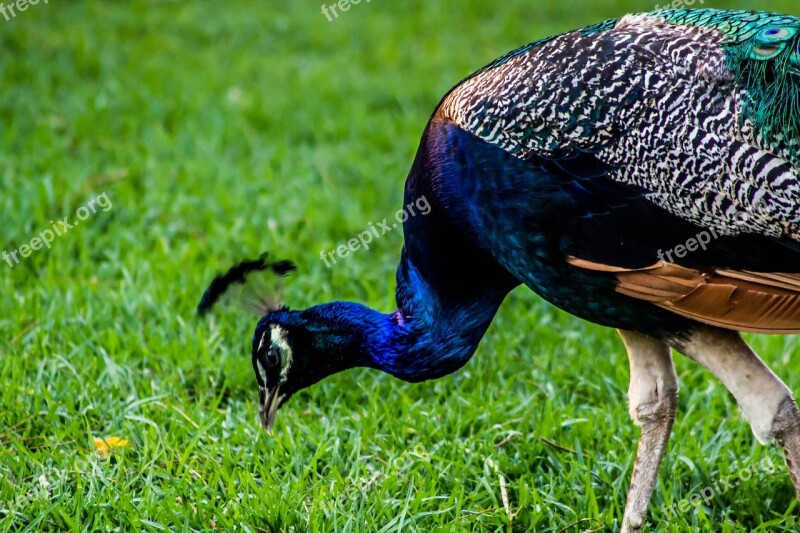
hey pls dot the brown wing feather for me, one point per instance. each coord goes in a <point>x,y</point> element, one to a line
<point>758,302</point>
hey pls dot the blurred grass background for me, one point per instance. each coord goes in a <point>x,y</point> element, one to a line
<point>220,130</point>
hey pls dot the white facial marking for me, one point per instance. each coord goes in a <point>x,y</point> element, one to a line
<point>278,339</point>
<point>260,346</point>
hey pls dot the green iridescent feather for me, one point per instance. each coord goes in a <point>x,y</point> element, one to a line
<point>764,54</point>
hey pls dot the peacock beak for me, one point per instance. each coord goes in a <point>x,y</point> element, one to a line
<point>268,407</point>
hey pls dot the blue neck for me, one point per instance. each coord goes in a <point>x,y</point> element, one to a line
<point>425,338</point>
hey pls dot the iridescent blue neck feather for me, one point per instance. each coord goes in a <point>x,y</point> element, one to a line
<point>423,339</point>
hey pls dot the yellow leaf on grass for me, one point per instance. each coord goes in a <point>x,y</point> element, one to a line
<point>109,444</point>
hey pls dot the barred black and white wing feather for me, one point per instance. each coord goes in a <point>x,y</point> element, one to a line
<point>672,101</point>
<point>693,113</point>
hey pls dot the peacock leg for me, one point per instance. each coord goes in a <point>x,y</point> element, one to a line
<point>786,429</point>
<point>653,396</point>
<point>765,401</point>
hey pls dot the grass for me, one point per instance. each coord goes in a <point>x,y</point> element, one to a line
<point>219,130</point>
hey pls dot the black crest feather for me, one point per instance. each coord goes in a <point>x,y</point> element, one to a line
<point>239,276</point>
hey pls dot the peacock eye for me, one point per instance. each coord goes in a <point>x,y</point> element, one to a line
<point>767,51</point>
<point>775,35</point>
<point>273,358</point>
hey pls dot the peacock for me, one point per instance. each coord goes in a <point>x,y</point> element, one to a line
<point>642,174</point>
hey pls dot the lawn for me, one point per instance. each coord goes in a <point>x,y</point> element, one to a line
<point>192,135</point>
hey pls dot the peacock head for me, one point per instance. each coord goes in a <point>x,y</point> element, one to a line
<point>283,361</point>
<point>292,350</point>
<point>273,359</point>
